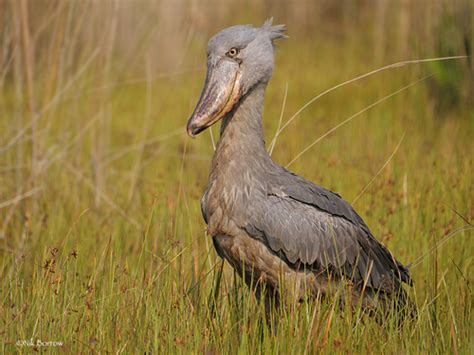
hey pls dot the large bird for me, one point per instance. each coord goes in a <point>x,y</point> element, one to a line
<point>279,231</point>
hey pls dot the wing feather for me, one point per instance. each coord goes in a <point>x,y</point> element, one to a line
<point>323,232</point>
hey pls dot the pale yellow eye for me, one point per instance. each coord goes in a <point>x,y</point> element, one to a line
<point>232,52</point>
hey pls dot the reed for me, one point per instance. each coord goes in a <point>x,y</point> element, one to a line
<point>102,243</point>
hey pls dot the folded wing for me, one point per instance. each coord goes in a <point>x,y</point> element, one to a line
<point>314,228</point>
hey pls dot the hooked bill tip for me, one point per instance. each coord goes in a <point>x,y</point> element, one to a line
<point>190,131</point>
<point>193,129</point>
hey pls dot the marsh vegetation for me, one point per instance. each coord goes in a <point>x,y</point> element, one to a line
<point>102,243</point>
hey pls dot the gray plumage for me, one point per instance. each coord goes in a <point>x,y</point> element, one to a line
<point>264,219</point>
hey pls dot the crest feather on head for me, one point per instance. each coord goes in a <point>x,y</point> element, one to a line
<point>275,32</point>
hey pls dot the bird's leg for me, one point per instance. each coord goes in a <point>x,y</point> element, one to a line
<point>272,306</point>
<point>271,300</point>
<point>269,295</point>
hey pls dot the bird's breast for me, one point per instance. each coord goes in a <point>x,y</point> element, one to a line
<point>228,200</point>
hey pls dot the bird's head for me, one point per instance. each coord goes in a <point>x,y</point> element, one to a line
<point>238,59</point>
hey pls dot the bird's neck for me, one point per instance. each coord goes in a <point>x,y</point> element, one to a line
<point>241,130</point>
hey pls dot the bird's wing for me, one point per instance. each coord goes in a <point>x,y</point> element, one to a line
<point>323,232</point>
<point>304,191</point>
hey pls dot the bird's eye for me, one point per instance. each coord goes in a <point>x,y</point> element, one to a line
<point>232,52</point>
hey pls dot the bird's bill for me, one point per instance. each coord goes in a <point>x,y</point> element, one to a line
<point>220,93</point>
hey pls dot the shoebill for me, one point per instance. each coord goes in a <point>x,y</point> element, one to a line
<point>279,231</point>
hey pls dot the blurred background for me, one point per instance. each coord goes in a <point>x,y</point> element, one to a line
<point>101,90</point>
<point>95,95</point>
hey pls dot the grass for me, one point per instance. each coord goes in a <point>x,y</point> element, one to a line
<point>103,246</point>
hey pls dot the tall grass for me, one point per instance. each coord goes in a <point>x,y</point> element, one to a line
<point>102,243</point>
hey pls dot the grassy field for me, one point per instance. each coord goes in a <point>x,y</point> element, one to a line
<point>102,243</point>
